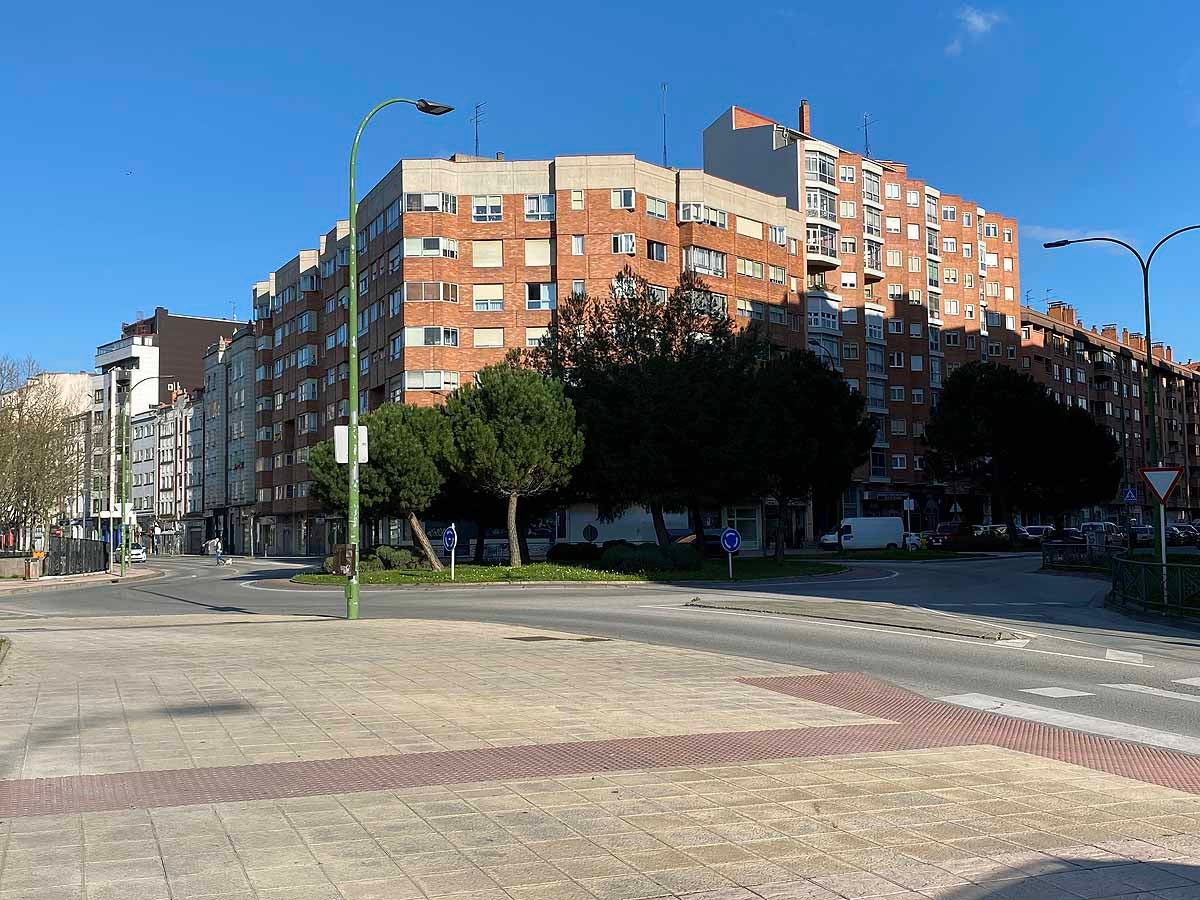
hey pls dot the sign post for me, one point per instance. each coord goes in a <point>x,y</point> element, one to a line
<point>731,542</point>
<point>450,541</point>
<point>1162,480</point>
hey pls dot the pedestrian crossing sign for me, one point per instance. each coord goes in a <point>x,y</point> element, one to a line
<point>1129,495</point>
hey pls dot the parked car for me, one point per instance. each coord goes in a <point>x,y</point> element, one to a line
<point>1037,533</point>
<point>137,553</point>
<point>1143,535</point>
<point>1072,536</point>
<point>1191,533</point>
<point>1178,537</point>
<point>1104,532</point>
<point>872,533</point>
<point>949,531</point>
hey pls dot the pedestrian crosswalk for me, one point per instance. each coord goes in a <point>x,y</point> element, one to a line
<point>1066,717</point>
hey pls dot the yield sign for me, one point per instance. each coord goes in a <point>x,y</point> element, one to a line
<point>1162,480</point>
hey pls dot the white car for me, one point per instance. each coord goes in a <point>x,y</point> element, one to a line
<point>137,553</point>
<point>829,541</point>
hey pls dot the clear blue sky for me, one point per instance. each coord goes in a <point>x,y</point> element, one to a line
<point>235,120</point>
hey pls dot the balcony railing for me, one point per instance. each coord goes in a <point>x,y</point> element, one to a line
<point>822,247</point>
<point>820,212</point>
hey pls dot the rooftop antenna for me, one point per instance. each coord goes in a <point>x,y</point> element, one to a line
<point>476,118</point>
<point>664,115</point>
<point>1046,296</point>
<point>867,123</point>
<point>233,310</point>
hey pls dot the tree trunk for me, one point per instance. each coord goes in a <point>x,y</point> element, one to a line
<point>423,542</point>
<point>697,524</point>
<point>480,548</point>
<point>783,510</point>
<point>514,543</point>
<point>660,524</point>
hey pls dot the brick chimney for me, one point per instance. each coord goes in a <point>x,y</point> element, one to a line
<point>805,117</point>
<point>1170,354</point>
<point>1157,350</point>
<point>1061,312</point>
<point>1124,335</point>
<point>1110,331</point>
<point>1137,341</point>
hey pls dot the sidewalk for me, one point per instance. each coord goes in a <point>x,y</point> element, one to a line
<point>58,582</point>
<point>299,757</point>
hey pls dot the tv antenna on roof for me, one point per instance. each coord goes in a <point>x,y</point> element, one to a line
<point>664,115</point>
<point>233,310</point>
<point>476,118</point>
<point>868,121</point>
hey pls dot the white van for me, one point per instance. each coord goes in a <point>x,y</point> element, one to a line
<point>872,533</point>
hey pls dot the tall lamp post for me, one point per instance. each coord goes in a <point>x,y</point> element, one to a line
<point>1151,419</point>
<point>125,470</point>
<point>432,109</point>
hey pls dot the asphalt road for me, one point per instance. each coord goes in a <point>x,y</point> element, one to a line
<point>1071,644</point>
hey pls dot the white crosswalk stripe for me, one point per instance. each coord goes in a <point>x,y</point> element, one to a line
<point>1090,724</point>
<point>1193,682</point>
<point>1057,692</point>
<point>1122,656</point>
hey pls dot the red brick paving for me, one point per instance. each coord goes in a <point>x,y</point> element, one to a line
<point>920,724</point>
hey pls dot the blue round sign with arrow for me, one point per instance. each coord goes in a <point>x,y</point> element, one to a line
<point>731,541</point>
<point>450,538</point>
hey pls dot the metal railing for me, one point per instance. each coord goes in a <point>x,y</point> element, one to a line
<point>1172,589</point>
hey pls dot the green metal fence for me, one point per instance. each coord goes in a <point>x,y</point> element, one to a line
<point>1171,589</point>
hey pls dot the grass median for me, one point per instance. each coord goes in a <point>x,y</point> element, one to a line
<point>750,569</point>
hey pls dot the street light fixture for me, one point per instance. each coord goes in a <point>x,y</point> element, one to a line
<point>1151,419</point>
<point>352,523</point>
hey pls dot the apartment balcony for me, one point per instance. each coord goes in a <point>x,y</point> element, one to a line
<point>821,255</point>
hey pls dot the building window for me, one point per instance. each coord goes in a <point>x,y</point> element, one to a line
<point>577,287</point>
<point>846,174</point>
<point>914,264</point>
<point>487,254</point>
<point>850,351</point>
<point>899,426</point>
<point>537,252</point>
<point>993,348</point>
<point>913,198</point>
<point>950,275</point>
<point>624,243</point>
<point>949,213</point>
<point>1008,235</point>
<point>899,461</point>
<point>488,297</point>
<point>969,311</point>
<point>777,235</point>
<point>778,275</point>
<point>849,279</point>
<point>892,190</point>
<point>893,224</point>
<point>430,336</point>
<point>918,396</point>
<point>656,207</point>
<point>540,295</point>
<point>429,246</point>
<point>952,338</point>
<point>849,245</point>
<point>576,199</point>
<point>896,394</point>
<point>656,250</point>
<point>848,209</point>
<point>434,380</point>
<point>623,198</point>
<point>486,208</point>
<point>896,359</point>
<point>577,245</point>
<point>539,207</point>
<point>895,259</point>
<point>534,336</point>
<point>751,268</point>
<point>427,202</point>
<point>916,363</point>
<point>990,229</point>
<point>705,261</point>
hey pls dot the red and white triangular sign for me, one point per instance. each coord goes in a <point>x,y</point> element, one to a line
<point>1162,480</point>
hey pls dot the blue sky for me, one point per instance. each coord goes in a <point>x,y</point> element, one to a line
<point>235,121</point>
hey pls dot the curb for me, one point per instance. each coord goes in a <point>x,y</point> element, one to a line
<point>5,646</point>
<point>998,635</point>
<point>42,585</point>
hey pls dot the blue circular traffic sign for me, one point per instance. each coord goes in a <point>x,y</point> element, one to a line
<point>731,541</point>
<point>449,538</point>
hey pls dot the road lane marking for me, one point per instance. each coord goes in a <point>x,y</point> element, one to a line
<point>1154,692</point>
<point>1191,682</point>
<point>1089,724</point>
<point>1122,656</point>
<point>895,632</point>
<point>1015,643</point>
<point>1056,692</point>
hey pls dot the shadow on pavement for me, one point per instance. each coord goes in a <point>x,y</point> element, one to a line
<point>1071,879</point>
<point>41,736</point>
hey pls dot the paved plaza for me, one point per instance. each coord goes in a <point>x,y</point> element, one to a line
<point>231,756</point>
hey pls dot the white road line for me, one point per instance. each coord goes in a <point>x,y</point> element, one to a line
<point>1122,656</point>
<point>1056,692</point>
<point>1192,682</point>
<point>1155,692</point>
<point>997,645</point>
<point>1090,724</point>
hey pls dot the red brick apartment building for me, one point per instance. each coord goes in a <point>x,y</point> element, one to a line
<point>462,260</point>
<point>904,283</point>
<point>1104,372</point>
<point>892,280</point>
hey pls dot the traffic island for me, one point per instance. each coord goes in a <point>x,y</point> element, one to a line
<point>862,612</point>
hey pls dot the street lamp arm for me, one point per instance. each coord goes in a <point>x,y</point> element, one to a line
<point>354,150</point>
<point>1050,245</point>
<point>1167,238</point>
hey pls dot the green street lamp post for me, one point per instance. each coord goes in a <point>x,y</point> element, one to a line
<point>1151,419</point>
<point>352,512</point>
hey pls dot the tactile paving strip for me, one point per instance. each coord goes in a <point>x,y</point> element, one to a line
<point>920,724</point>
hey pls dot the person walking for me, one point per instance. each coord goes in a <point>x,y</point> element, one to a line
<point>218,550</point>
